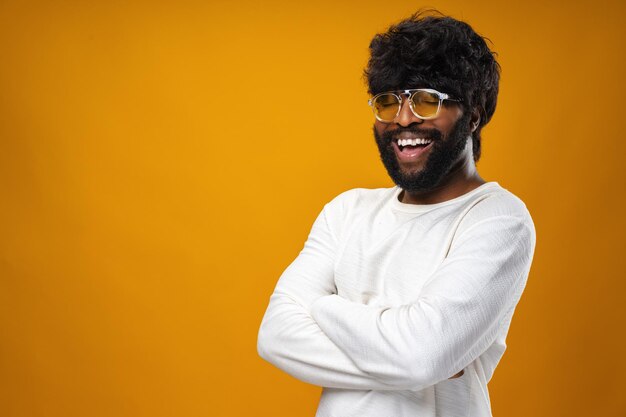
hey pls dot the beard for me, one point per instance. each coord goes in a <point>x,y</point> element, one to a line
<point>443,154</point>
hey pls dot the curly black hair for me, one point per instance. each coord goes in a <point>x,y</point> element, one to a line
<point>432,50</point>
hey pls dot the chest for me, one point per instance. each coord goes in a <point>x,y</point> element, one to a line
<point>388,259</point>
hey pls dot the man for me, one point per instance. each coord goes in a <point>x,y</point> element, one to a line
<point>401,300</point>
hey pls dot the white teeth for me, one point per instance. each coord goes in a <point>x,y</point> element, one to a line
<point>413,142</point>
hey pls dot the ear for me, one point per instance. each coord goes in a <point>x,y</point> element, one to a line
<point>475,120</point>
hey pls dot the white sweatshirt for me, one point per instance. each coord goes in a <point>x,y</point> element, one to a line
<point>387,301</point>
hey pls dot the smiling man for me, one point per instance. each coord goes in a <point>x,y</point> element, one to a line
<point>401,299</point>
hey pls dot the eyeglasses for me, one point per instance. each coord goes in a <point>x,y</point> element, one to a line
<point>424,103</point>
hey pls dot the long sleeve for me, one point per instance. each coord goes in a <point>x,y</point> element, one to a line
<point>290,339</point>
<point>456,317</point>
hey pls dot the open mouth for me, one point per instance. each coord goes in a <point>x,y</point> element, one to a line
<point>410,151</point>
<point>408,145</point>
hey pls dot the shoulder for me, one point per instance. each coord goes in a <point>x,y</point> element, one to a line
<point>351,206</point>
<point>498,206</point>
<point>499,201</point>
<point>358,199</point>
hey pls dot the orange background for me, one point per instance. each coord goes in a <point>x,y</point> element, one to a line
<point>161,163</point>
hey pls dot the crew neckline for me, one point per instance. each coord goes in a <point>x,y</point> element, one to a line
<point>419,208</point>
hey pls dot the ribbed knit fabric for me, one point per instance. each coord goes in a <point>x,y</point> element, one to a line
<point>387,301</point>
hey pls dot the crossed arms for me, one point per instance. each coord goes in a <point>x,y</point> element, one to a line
<point>315,335</point>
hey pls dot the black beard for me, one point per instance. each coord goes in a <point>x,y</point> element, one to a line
<point>443,155</point>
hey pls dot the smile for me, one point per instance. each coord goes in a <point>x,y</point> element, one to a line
<point>413,142</point>
<point>409,150</point>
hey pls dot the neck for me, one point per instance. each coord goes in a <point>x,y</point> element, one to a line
<point>462,178</point>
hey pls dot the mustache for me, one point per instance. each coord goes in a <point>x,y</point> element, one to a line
<point>432,134</point>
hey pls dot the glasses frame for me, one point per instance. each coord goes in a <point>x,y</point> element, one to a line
<point>410,93</point>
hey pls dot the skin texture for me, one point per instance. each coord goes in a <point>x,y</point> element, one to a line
<point>457,375</point>
<point>461,176</point>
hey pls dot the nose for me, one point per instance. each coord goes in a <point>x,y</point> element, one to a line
<point>406,117</point>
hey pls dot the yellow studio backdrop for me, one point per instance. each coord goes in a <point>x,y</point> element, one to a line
<point>161,164</point>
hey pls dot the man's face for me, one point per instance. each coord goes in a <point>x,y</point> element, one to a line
<point>422,167</point>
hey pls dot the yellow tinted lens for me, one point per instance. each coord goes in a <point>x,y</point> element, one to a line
<point>425,104</point>
<point>386,107</point>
